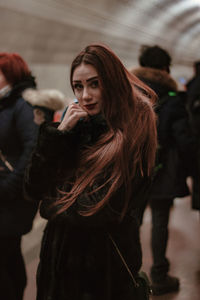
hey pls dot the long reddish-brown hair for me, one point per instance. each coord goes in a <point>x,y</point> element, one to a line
<point>129,145</point>
<point>14,68</point>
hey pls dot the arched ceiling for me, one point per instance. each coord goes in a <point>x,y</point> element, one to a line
<point>124,24</point>
<point>53,31</point>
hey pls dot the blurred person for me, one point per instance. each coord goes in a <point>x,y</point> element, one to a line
<point>193,103</point>
<point>193,106</point>
<point>195,80</point>
<point>175,144</point>
<point>90,172</point>
<point>17,137</point>
<point>45,103</point>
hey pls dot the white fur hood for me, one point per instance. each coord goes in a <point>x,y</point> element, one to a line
<point>48,98</point>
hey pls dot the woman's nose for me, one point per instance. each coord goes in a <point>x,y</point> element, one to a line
<point>86,94</point>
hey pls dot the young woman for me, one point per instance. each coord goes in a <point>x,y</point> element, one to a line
<point>17,138</point>
<point>91,172</point>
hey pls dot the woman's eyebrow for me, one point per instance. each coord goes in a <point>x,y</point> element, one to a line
<point>88,80</point>
<point>76,81</point>
<point>92,78</point>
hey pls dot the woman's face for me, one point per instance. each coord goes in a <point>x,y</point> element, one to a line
<point>87,88</point>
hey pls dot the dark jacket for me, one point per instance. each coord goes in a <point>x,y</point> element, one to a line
<point>193,105</point>
<point>77,257</point>
<point>192,85</point>
<point>174,137</point>
<point>17,137</point>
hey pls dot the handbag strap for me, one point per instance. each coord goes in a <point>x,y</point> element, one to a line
<point>3,159</point>
<point>123,260</point>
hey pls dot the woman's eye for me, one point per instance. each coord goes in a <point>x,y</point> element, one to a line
<point>78,86</point>
<point>94,83</point>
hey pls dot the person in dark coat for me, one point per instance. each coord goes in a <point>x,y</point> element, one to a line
<point>90,172</point>
<point>195,80</point>
<point>193,102</point>
<point>193,106</point>
<point>17,138</point>
<point>175,144</point>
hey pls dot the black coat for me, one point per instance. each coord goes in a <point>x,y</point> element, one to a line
<point>77,257</point>
<point>193,105</point>
<point>17,138</point>
<point>193,86</point>
<point>176,143</point>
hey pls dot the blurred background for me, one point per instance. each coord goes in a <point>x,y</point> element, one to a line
<point>49,33</point>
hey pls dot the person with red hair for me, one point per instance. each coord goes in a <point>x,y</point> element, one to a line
<point>90,173</point>
<point>17,137</point>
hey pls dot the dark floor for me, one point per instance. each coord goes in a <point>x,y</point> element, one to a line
<point>183,251</point>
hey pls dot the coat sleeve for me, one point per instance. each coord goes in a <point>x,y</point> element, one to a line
<point>171,112</point>
<point>26,130</point>
<point>55,151</point>
<point>174,131</point>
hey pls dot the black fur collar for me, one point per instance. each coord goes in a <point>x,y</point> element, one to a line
<point>90,130</point>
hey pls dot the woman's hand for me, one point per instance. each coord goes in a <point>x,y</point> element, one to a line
<point>72,116</point>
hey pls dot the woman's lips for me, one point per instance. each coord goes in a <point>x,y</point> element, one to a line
<point>90,106</point>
